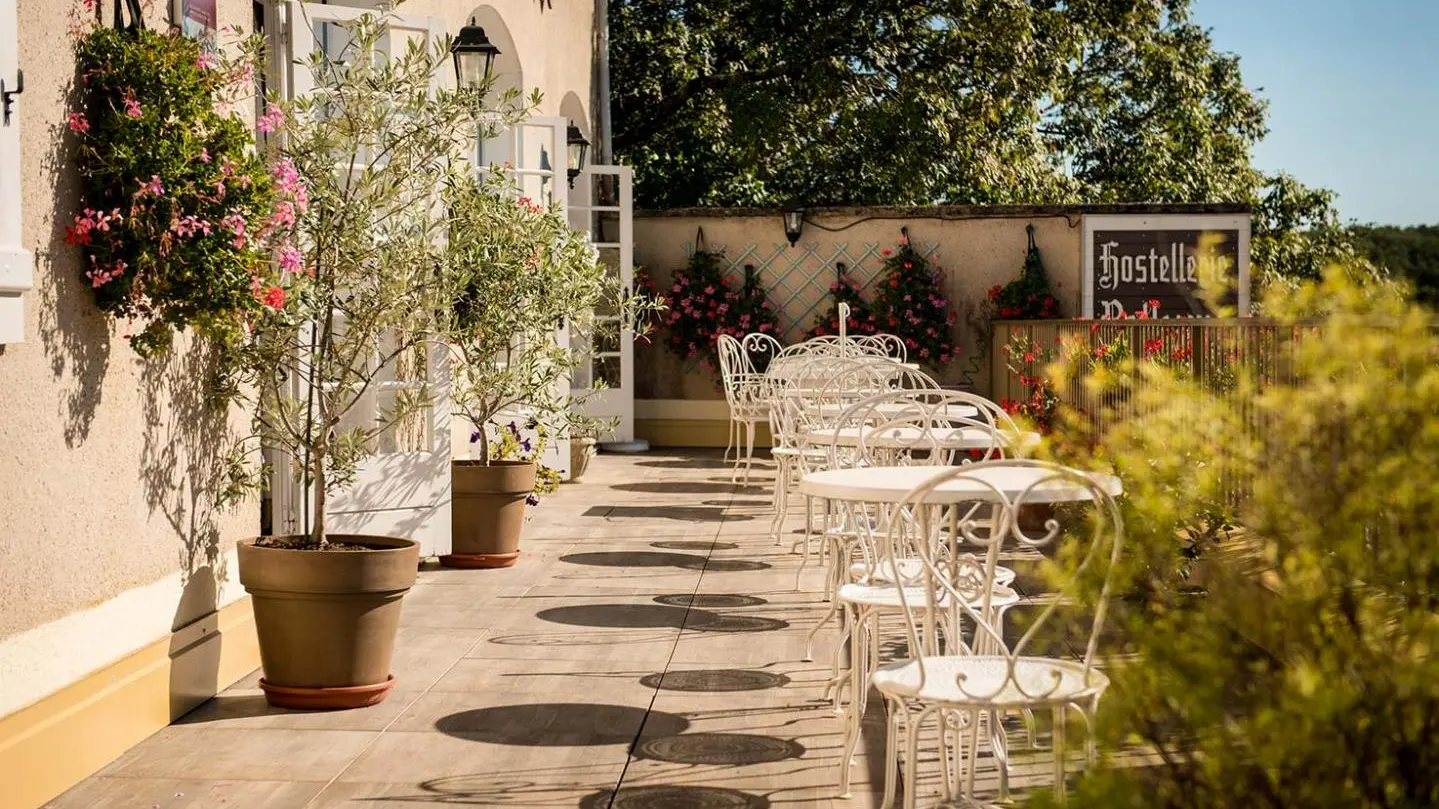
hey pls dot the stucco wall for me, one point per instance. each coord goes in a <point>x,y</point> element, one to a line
<point>107,462</point>
<point>975,253</point>
<point>107,458</point>
<point>976,247</point>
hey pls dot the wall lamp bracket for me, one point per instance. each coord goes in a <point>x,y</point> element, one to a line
<point>7,95</point>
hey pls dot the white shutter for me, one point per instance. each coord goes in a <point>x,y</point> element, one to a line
<point>15,261</point>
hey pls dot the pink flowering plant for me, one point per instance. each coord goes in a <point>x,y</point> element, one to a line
<point>862,318</point>
<point>911,305</point>
<point>704,303</point>
<point>180,220</point>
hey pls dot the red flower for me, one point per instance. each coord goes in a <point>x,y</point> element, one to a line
<point>274,298</point>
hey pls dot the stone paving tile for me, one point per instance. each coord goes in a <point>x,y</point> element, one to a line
<point>182,793</point>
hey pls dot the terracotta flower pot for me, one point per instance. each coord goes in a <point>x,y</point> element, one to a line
<point>581,451</point>
<point>488,512</point>
<point>327,620</point>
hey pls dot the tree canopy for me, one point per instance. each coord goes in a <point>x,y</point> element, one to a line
<point>1411,253</point>
<point>904,102</point>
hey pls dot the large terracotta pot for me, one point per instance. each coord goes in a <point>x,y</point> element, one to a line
<point>488,512</point>
<point>581,451</point>
<point>327,620</point>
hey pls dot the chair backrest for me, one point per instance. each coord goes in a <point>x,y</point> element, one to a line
<point>760,349</point>
<point>733,362</point>
<point>928,427</point>
<point>885,345</point>
<point>959,553</point>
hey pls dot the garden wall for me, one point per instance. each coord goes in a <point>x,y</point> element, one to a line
<point>977,247</point>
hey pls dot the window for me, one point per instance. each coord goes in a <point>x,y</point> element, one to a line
<point>15,261</point>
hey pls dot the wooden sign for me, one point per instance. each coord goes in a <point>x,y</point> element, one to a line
<point>1153,264</point>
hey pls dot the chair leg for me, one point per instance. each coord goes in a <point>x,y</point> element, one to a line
<point>911,753</point>
<point>729,439</point>
<point>1058,745</point>
<point>859,684</point>
<point>891,752</point>
<point>999,744</point>
<point>749,427</point>
<point>781,497</point>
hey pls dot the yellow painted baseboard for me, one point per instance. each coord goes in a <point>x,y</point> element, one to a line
<point>665,432</point>
<point>50,746</point>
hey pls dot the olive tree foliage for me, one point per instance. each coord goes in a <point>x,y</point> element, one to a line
<point>372,289</point>
<point>917,102</point>
<point>1302,672</point>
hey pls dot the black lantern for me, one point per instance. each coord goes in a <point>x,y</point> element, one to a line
<point>793,224</point>
<point>474,56</point>
<point>577,148</point>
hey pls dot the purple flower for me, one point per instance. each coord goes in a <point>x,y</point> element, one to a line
<point>526,444</point>
<point>532,500</point>
<point>475,437</point>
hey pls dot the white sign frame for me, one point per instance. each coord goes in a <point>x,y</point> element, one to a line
<point>1241,222</point>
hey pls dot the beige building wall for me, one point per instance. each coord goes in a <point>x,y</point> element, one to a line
<point>108,537</point>
<point>108,460</point>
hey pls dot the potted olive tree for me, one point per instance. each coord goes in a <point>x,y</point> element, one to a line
<point>527,274</point>
<point>367,155</point>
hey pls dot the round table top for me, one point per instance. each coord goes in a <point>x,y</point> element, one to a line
<point>892,484</point>
<point>917,438</point>
<point>954,411</point>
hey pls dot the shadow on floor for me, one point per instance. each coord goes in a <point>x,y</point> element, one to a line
<point>687,463</point>
<point>674,797</point>
<point>679,513</point>
<point>732,749</point>
<point>694,545</point>
<point>687,487</point>
<point>655,616</point>
<point>709,600</point>
<point>714,680</point>
<point>687,561</point>
<point>558,724</point>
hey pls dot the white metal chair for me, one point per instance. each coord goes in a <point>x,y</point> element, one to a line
<point>742,393</point>
<point>970,685</point>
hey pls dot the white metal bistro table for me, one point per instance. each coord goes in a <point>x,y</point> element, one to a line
<point>892,484</point>
<point>952,411</point>
<point>906,437</point>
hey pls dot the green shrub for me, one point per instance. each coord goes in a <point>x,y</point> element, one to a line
<point>1305,675</point>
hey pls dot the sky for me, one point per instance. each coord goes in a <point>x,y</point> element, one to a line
<point>1353,92</point>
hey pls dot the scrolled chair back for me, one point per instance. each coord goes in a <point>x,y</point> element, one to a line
<point>959,552</point>
<point>885,345</point>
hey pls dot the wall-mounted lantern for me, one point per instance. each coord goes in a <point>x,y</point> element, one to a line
<point>793,224</point>
<point>474,55</point>
<point>578,149</point>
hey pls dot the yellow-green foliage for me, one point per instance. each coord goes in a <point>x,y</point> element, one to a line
<point>1304,672</point>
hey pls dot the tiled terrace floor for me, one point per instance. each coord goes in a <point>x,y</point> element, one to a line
<point>646,652</point>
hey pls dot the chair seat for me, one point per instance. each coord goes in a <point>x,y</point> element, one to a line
<point>886,596</point>
<point>911,570</point>
<point>800,452</point>
<point>1036,681</point>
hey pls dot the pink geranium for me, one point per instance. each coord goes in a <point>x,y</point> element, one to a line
<point>78,123</point>
<point>132,108</point>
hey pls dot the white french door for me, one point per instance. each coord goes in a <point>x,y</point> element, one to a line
<point>403,488</point>
<point>601,206</point>
<point>528,152</point>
